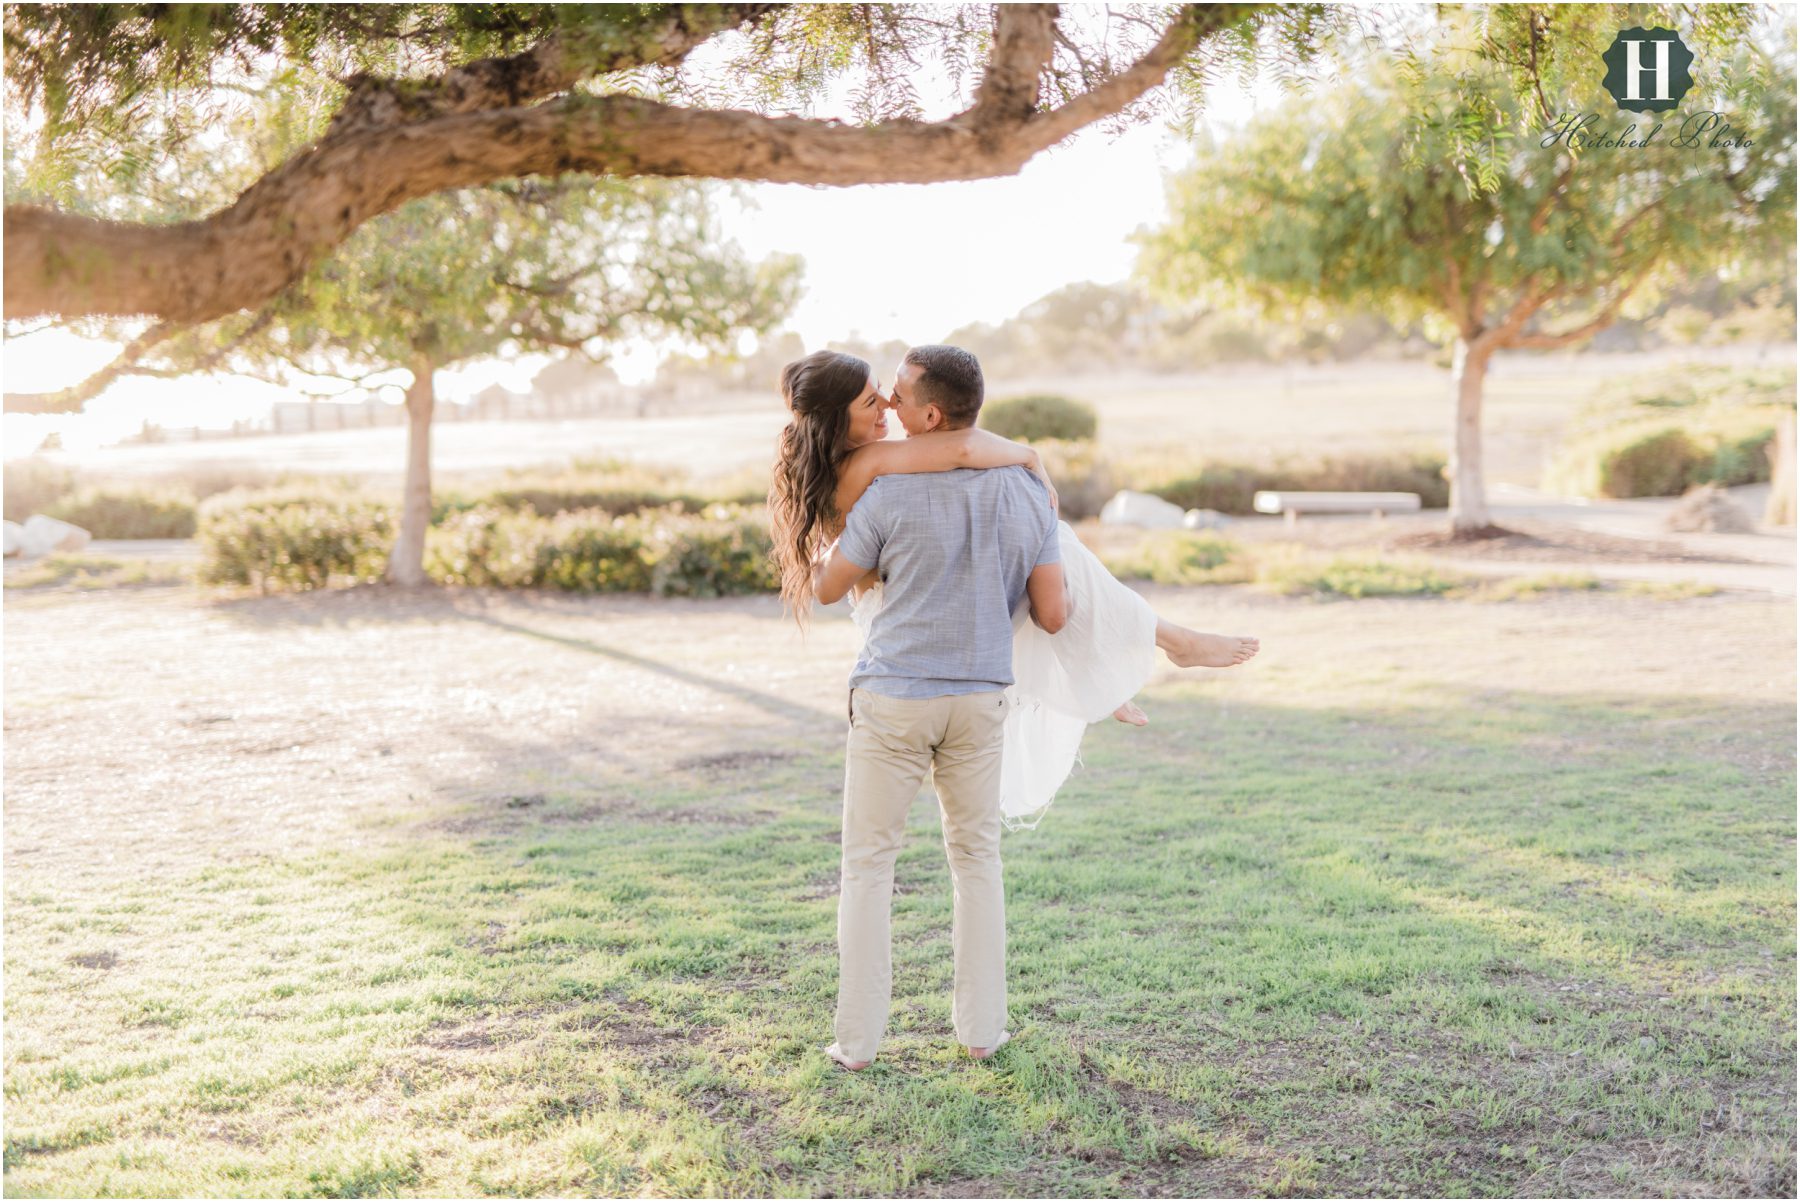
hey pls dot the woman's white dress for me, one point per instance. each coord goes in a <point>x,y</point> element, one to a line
<point>1099,660</point>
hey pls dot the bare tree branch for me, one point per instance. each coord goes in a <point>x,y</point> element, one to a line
<point>1602,319</point>
<point>71,399</point>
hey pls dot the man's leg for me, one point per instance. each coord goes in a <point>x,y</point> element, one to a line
<point>966,771</point>
<point>885,760</point>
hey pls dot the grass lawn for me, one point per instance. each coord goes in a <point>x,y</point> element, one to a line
<point>538,896</point>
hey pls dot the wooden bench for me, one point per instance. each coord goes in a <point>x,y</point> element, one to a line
<point>1293,504</point>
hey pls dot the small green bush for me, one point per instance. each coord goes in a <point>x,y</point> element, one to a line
<point>295,539</point>
<point>1184,557</point>
<point>1656,464</point>
<point>127,513</point>
<point>1232,487</point>
<point>1031,418</point>
<point>1226,487</point>
<point>1351,576</point>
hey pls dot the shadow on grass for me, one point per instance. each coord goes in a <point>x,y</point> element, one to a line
<point>1491,943</point>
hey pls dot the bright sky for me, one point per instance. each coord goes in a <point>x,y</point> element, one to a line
<point>912,262</point>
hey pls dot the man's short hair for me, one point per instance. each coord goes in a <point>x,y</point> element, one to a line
<point>950,378</point>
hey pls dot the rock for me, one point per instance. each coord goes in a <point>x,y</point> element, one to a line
<point>42,535</point>
<point>1204,519</point>
<point>1707,507</point>
<point>1129,508</point>
<point>15,539</point>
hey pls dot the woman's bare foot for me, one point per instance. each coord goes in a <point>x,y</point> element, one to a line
<point>1192,649</point>
<point>1129,713</point>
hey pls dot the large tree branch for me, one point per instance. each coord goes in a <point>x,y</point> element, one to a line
<point>239,257</point>
<point>554,65</point>
<point>1024,40</point>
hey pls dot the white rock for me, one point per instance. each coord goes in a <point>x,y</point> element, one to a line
<point>15,538</point>
<point>1204,519</point>
<point>43,535</point>
<point>1129,508</point>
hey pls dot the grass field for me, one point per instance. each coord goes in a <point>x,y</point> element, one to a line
<point>362,894</point>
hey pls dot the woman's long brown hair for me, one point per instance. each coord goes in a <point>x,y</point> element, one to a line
<point>818,390</point>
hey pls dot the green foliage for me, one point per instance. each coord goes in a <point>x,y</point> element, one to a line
<point>127,513</point>
<point>1663,460</point>
<point>1658,433</point>
<point>1232,487</point>
<point>290,539</point>
<point>1421,187</point>
<point>721,552</point>
<point>293,540</point>
<point>582,551</point>
<point>1354,576</point>
<point>1184,557</point>
<point>1030,418</point>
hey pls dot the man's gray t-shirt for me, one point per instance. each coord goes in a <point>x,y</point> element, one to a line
<point>954,551</point>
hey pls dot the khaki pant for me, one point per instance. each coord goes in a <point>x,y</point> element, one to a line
<point>893,741</point>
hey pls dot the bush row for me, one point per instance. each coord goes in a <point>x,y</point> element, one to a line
<point>276,540</point>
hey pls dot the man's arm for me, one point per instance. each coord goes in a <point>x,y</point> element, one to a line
<point>1049,594</point>
<point>833,574</point>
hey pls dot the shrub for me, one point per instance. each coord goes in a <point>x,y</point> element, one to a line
<point>1656,464</point>
<point>32,486</point>
<point>564,496</point>
<point>127,513</point>
<point>1182,557</point>
<point>1351,576</point>
<point>1031,418</point>
<point>719,553</point>
<point>668,553</point>
<point>1232,487</point>
<point>1226,487</point>
<point>1084,478</point>
<point>295,540</point>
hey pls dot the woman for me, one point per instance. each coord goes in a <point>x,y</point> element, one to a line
<point>827,456</point>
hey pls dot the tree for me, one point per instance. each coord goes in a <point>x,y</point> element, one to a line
<point>382,104</point>
<point>578,264</point>
<point>1434,187</point>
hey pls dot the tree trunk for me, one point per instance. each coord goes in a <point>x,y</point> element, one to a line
<point>406,563</point>
<point>1468,491</point>
<point>1780,508</point>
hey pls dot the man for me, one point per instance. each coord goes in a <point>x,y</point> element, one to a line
<point>956,553</point>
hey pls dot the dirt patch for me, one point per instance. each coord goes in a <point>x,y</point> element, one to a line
<point>728,762</point>
<point>1527,540</point>
<point>101,960</point>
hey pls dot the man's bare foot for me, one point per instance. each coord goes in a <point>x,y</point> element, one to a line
<point>1192,649</point>
<point>1129,713</point>
<point>984,1053</point>
<point>855,1066</point>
